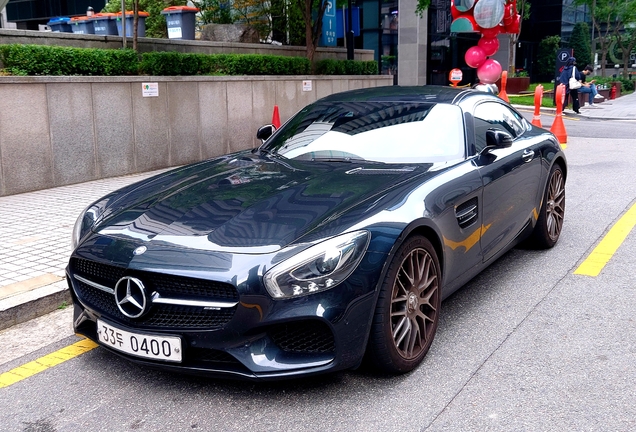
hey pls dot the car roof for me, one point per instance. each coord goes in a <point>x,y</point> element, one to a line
<point>411,94</point>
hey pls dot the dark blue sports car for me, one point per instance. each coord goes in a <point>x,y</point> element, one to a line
<point>336,240</point>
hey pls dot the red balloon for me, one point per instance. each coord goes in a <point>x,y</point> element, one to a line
<point>489,72</point>
<point>475,56</point>
<point>513,28</point>
<point>509,14</point>
<point>490,32</point>
<point>489,45</point>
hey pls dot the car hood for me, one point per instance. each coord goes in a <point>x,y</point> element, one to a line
<point>246,203</point>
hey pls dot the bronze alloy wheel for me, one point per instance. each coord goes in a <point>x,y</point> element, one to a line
<point>550,222</point>
<point>414,304</point>
<point>555,205</point>
<point>408,308</point>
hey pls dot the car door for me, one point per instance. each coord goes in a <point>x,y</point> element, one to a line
<point>510,176</point>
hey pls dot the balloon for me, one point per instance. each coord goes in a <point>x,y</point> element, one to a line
<point>509,14</point>
<point>454,11</point>
<point>490,32</point>
<point>488,13</point>
<point>489,45</point>
<point>513,27</point>
<point>464,5</point>
<point>475,56</point>
<point>489,72</point>
<point>464,24</point>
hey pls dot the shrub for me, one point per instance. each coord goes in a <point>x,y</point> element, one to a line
<point>172,63</point>
<point>46,60</point>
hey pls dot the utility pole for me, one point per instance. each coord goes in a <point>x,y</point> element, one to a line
<point>349,35</point>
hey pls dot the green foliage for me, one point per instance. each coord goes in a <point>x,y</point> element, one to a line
<point>287,16</point>
<point>346,67</point>
<point>580,43</point>
<point>546,57</point>
<point>52,60</point>
<point>172,63</point>
<point>155,23</point>
<point>214,11</point>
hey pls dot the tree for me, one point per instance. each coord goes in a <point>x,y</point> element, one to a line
<point>546,56</point>
<point>609,18</point>
<point>313,27</point>
<point>580,43</point>
<point>626,37</point>
<point>523,9</point>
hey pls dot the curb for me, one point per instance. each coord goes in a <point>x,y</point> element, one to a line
<point>32,304</point>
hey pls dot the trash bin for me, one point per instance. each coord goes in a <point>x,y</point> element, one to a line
<point>60,24</point>
<point>180,20</point>
<point>105,24</point>
<point>141,24</point>
<point>82,25</point>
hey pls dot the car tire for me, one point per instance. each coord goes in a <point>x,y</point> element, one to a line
<point>407,311</point>
<point>550,221</point>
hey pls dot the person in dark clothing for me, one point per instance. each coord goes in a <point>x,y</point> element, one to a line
<point>564,78</point>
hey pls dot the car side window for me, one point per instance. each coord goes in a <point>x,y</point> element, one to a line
<point>490,115</point>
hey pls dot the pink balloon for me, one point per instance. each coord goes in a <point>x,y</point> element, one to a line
<point>490,32</point>
<point>489,45</point>
<point>489,72</point>
<point>475,56</point>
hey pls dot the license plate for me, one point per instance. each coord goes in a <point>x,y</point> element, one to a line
<point>167,348</point>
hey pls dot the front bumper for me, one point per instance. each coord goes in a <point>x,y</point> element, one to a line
<point>260,339</point>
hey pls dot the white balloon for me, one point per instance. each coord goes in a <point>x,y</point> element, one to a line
<point>489,13</point>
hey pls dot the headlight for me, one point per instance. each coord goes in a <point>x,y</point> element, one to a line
<point>318,268</point>
<point>85,221</point>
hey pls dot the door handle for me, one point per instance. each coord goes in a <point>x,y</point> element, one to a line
<point>527,155</point>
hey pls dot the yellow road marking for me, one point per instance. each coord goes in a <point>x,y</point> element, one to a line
<point>43,363</point>
<point>602,253</point>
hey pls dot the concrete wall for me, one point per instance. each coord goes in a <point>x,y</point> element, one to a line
<point>56,131</point>
<point>150,44</point>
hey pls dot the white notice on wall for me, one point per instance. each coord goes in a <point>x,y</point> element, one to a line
<point>307,85</point>
<point>150,89</point>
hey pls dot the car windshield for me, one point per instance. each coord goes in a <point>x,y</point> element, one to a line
<point>387,132</point>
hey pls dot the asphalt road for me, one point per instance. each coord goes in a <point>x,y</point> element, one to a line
<point>526,346</point>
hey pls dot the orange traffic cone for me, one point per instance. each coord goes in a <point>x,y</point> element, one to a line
<point>538,95</point>
<point>276,117</point>
<point>558,128</point>
<point>504,80</point>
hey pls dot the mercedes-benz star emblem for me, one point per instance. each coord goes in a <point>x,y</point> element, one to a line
<point>130,296</point>
<point>140,250</point>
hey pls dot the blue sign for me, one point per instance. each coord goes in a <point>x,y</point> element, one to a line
<point>328,36</point>
<point>355,21</point>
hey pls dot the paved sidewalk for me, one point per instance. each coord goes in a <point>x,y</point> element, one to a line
<point>36,227</point>
<point>35,234</point>
<point>623,108</point>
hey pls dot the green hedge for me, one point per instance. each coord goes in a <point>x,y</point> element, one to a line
<point>52,60</point>
<point>172,63</point>
<point>346,67</point>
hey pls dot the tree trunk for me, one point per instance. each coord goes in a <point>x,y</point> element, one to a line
<point>135,22</point>
<point>309,40</point>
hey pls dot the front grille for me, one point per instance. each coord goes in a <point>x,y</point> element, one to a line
<point>303,337</point>
<point>160,315</point>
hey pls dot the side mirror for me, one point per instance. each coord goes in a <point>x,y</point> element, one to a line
<point>498,138</point>
<point>264,132</point>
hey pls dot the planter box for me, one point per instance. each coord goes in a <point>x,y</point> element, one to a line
<point>516,85</point>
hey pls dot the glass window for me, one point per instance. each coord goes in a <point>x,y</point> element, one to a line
<point>495,115</point>
<point>386,132</point>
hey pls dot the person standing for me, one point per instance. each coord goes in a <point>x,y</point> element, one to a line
<point>569,71</point>
<point>589,87</point>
